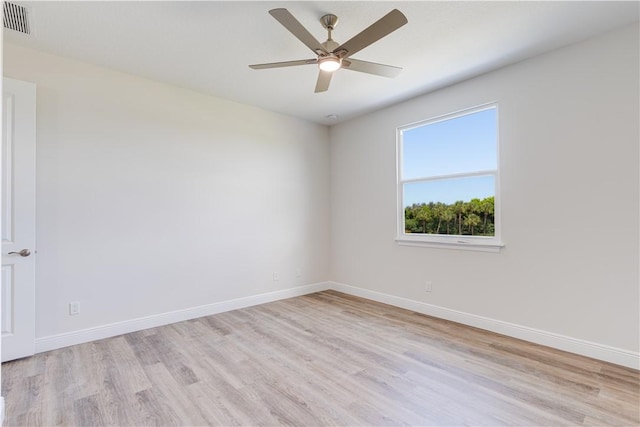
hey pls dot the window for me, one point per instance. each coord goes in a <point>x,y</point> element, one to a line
<point>448,181</point>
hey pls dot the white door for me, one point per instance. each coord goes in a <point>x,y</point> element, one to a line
<point>17,308</point>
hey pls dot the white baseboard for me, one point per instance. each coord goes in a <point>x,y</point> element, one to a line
<point>53,342</point>
<point>573,345</point>
<point>586,348</point>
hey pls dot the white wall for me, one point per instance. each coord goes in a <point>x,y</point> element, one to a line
<point>153,198</point>
<point>569,162</point>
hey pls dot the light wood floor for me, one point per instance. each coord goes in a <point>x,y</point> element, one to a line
<point>320,359</point>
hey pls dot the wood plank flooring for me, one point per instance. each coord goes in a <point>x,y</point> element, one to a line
<point>316,360</point>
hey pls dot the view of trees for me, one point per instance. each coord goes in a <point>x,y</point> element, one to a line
<point>475,217</point>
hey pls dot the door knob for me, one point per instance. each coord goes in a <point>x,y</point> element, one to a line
<point>24,252</point>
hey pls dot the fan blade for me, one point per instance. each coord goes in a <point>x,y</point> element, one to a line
<point>371,67</point>
<point>283,64</point>
<point>382,27</point>
<point>324,78</point>
<point>284,17</point>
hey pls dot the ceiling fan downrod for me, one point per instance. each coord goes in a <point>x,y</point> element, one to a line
<point>329,22</point>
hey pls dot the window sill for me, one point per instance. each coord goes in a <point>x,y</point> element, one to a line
<point>464,246</point>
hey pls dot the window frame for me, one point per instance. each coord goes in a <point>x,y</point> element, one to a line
<point>449,241</point>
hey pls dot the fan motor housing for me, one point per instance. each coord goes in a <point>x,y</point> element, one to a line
<point>330,45</point>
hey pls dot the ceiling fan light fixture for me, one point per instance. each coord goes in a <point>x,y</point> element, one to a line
<point>330,55</point>
<point>329,63</point>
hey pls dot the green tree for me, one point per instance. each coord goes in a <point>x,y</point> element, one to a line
<point>487,207</point>
<point>410,225</point>
<point>472,220</point>
<point>457,217</point>
<point>423,216</point>
<point>438,211</point>
<point>475,206</point>
<point>459,208</point>
<point>447,216</point>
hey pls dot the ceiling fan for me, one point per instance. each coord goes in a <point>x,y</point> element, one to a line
<point>332,56</point>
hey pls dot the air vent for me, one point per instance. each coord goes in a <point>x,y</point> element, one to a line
<point>16,18</point>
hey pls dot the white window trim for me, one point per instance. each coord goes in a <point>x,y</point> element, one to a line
<point>472,243</point>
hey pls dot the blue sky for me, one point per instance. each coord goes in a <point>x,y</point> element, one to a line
<point>449,191</point>
<point>459,145</point>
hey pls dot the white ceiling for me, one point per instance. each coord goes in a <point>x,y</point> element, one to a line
<point>207,45</point>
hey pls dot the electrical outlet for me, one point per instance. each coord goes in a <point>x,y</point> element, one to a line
<point>276,275</point>
<point>74,308</point>
<point>428,286</point>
